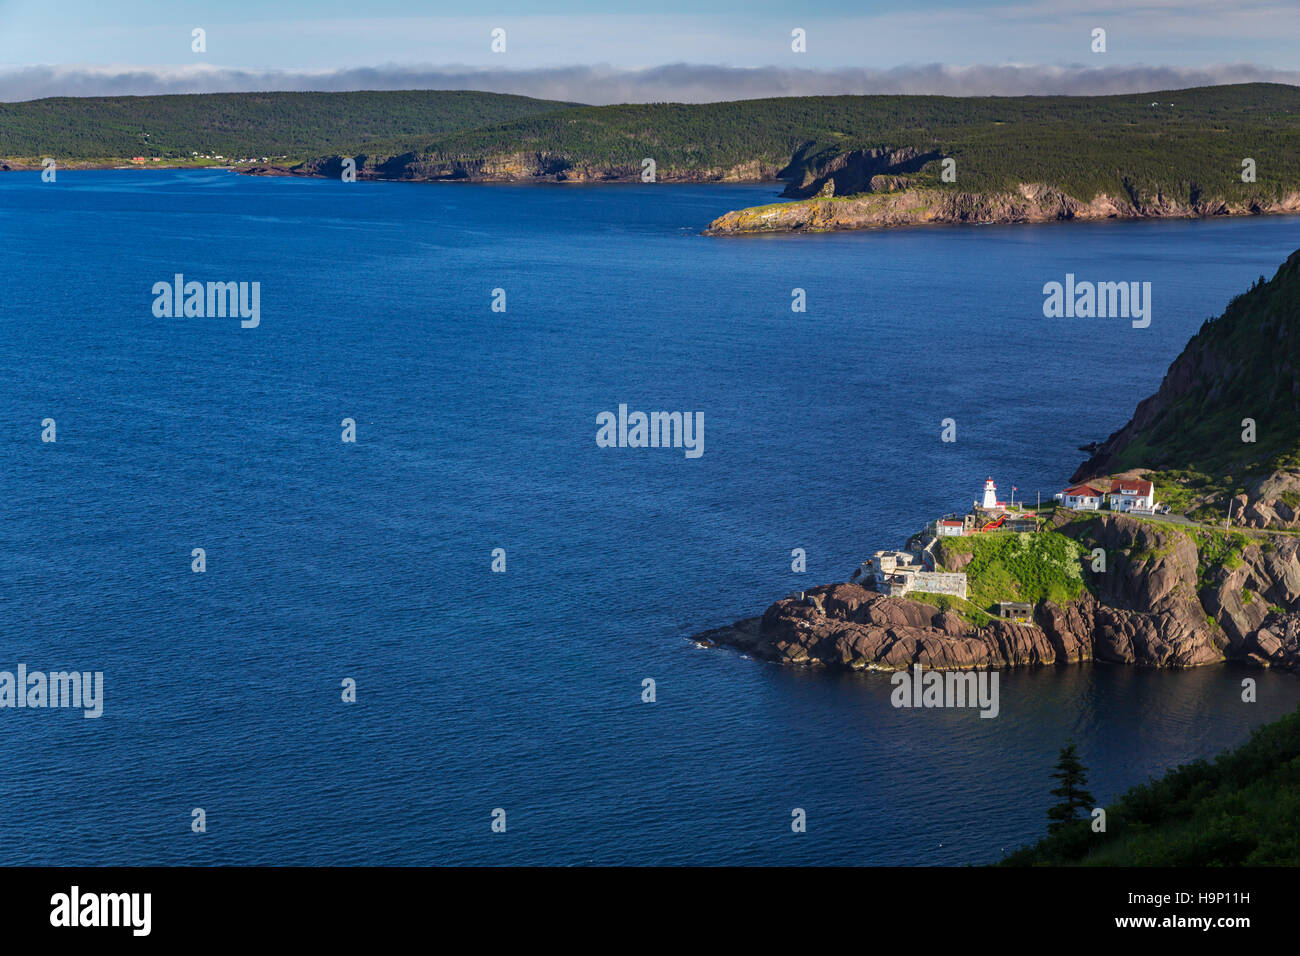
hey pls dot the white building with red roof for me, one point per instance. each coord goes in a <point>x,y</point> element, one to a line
<point>1131,494</point>
<point>1083,497</point>
<point>1120,494</point>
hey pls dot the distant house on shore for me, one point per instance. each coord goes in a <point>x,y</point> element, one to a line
<point>1081,497</point>
<point>1131,494</point>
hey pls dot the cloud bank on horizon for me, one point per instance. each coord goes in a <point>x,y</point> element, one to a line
<point>599,85</point>
<point>606,51</point>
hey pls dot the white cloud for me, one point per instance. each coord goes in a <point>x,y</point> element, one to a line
<point>602,84</point>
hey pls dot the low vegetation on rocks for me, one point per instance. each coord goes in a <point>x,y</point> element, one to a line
<point>1016,566</point>
<point>1170,596</point>
<point>1241,809</point>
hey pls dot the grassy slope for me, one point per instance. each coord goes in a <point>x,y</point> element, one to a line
<point>948,602</point>
<point>1011,566</point>
<point>299,125</point>
<point>1241,809</point>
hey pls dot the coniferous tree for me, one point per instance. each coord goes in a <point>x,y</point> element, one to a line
<point>1072,789</point>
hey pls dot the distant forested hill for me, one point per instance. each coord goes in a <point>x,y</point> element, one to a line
<point>1196,138</point>
<point>244,124</point>
<point>1144,147</point>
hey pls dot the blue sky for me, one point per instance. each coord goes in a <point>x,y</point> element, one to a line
<point>327,36</point>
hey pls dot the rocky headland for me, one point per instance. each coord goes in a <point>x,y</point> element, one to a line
<point>895,202</point>
<point>1223,430</point>
<point>1220,440</point>
<point>1161,602</point>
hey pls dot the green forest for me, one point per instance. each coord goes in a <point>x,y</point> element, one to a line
<point>1194,139</point>
<point>297,125</point>
<point>1182,143</point>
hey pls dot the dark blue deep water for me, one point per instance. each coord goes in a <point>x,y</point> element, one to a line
<point>476,430</point>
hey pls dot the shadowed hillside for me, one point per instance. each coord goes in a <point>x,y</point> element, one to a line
<point>1235,381</point>
<point>1242,809</point>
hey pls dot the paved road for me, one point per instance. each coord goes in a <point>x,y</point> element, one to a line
<point>1184,520</point>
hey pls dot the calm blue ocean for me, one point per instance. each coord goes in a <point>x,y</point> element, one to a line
<point>476,430</point>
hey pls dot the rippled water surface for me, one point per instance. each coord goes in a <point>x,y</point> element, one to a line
<point>476,430</point>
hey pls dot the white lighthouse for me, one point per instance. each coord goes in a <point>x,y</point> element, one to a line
<point>990,495</point>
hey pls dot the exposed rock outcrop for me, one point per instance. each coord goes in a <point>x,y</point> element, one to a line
<point>1031,202</point>
<point>1156,604</point>
<point>519,167</point>
<point>861,629</point>
<point>857,171</point>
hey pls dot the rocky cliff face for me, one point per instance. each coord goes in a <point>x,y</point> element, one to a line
<point>520,167</point>
<point>1156,604</point>
<point>1031,202</point>
<point>857,171</point>
<point>849,626</point>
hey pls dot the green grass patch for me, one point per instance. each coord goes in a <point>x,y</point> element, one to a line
<point>1216,550</point>
<point>949,602</point>
<point>1019,566</point>
<point>1184,489</point>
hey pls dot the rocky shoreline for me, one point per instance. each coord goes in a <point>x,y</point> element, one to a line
<point>891,199</point>
<point>515,168</point>
<point>1157,605</point>
<point>868,190</point>
<point>1029,203</point>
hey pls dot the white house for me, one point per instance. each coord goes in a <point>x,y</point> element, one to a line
<point>1081,498</point>
<point>1129,494</point>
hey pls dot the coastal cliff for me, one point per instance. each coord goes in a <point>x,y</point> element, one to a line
<point>846,162</point>
<point>858,162</point>
<point>1030,202</point>
<point>1169,597</point>
<point>516,167</point>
